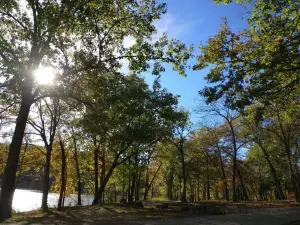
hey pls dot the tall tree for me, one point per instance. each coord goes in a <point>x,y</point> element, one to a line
<point>181,130</point>
<point>46,125</point>
<point>76,38</point>
<point>260,63</point>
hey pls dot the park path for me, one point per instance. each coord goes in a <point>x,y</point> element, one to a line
<point>279,216</point>
<point>257,217</point>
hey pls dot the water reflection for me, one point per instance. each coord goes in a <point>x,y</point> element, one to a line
<point>25,200</point>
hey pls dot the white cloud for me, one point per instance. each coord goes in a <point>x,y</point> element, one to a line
<point>175,27</point>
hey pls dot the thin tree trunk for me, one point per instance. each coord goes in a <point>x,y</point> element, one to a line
<point>115,192</point>
<point>293,179</point>
<point>132,188</point>
<point>102,176</point>
<point>96,170</point>
<point>234,199</point>
<point>137,189</point>
<point>273,172</point>
<point>9,176</point>
<point>146,184</point>
<point>152,180</point>
<point>129,182</point>
<point>286,143</point>
<point>99,195</point>
<point>170,184</point>
<point>63,175</point>
<point>245,195</point>
<point>77,170</point>
<point>226,194</point>
<point>207,178</point>
<point>183,173</point>
<point>123,189</point>
<point>78,181</point>
<point>46,177</point>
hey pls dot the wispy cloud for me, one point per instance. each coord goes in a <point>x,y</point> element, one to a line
<point>173,26</point>
<point>176,27</point>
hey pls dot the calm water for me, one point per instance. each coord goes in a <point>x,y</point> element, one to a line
<point>25,200</point>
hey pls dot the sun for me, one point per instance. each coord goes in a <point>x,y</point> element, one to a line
<point>44,76</point>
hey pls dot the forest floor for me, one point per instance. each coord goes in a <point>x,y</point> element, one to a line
<point>246,213</point>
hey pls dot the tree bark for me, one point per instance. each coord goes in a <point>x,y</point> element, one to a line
<point>137,188</point>
<point>46,177</point>
<point>146,184</point>
<point>152,180</point>
<point>96,166</point>
<point>245,195</point>
<point>293,179</point>
<point>132,188</point>
<point>273,172</point>
<point>115,193</point>
<point>207,178</point>
<point>77,169</point>
<point>183,198</point>
<point>102,176</point>
<point>226,194</point>
<point>63,175</point>
<point>99,195</point>
<point>9,176</point>
<point>170,184</point>
<point>234,199</point>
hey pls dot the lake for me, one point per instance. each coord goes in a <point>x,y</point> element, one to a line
<point>27,200</point>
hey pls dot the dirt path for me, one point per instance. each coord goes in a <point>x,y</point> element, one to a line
<point>264,217</point>
<point>117,214</point>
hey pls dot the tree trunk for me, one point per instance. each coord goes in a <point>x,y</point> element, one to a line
<point>183,198</point>
<point>152,180</point>
<point>123,189</point>
<point>293,179</point>
<point>133,181</point>
<point>234,199</point>
<point>63,175</point>
<point>99,195</point>
<point>226,194</point>
<point>286,142</point>
<point>96,171</point>
<point>234,158</point>
<point>115,193</point>
<point>102,176</point>
<point>273,172</point>
<point>46,177</point>
<point>137,189</point>
<point>77,171</point>
<point>9,176</point>
<point>207,178</point>
<point>170,184</point>
<point>245,195</point>
<point>146,184</point>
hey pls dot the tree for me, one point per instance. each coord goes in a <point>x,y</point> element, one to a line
<point>230,117</point>
<point>213,140</point>
<point>76,159</point>
<point>181,132</point>
<point>253,123</point>
<point>129,115</point>
<point>260,63</point>
<point>63,185</point>
<point>45,125</point>
<point>76,38</point>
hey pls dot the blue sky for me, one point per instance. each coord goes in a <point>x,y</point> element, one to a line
<point>193,21</point>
